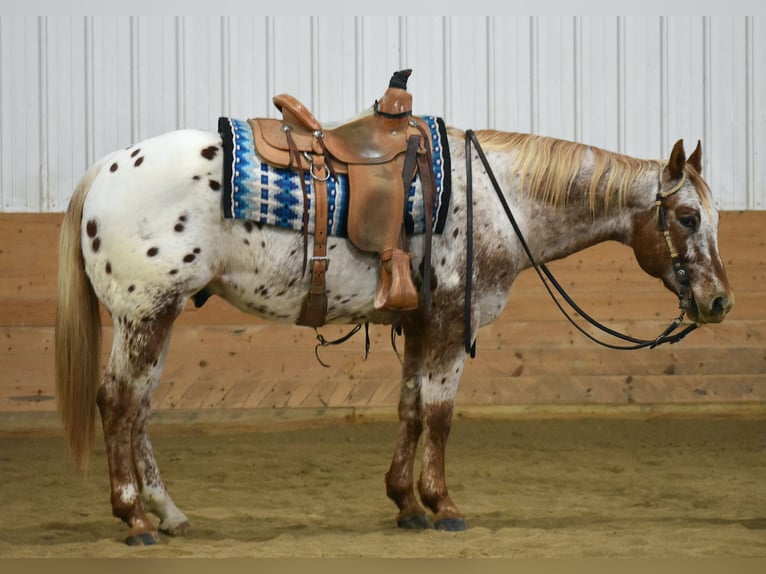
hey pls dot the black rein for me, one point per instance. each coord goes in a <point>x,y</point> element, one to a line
<point>543,272</point>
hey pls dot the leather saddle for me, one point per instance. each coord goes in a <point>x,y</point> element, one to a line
<point>380,151</point>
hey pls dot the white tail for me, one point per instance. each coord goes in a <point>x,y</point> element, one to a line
<point>78,333</point>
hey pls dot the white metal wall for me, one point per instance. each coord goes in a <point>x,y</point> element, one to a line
<point>75,88</point>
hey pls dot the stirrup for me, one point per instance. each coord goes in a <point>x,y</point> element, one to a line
<point>396,291</point>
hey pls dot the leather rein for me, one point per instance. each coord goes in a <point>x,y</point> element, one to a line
<point>549,281</point>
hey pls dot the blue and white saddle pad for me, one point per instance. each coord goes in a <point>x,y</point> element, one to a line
<point>271,195</point>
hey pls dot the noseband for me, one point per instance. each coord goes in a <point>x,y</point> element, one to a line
<point>549,281</point>
<point>682,276</point>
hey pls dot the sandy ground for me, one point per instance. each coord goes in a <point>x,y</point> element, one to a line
<point>585,487</point>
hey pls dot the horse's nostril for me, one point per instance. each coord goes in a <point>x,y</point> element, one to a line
<point>719,306</point>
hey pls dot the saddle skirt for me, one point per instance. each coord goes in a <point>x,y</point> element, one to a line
<point>257,191</point>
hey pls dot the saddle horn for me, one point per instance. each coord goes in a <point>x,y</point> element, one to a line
<point>396,103</point>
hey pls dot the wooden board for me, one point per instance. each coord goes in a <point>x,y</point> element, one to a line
<point>222,358</point>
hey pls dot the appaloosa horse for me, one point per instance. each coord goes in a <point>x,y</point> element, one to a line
<point>144,232</point>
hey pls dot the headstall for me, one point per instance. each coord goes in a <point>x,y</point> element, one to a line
<point>682,275</point>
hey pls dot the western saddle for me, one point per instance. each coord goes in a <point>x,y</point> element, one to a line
<point>380,152</point>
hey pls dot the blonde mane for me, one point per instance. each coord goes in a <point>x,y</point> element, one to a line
<point>549,169</point>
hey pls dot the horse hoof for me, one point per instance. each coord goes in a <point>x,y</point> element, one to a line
<point>454,524</point>
<point>143,539</point>
<point>178,530</point>
<point>414,522</point>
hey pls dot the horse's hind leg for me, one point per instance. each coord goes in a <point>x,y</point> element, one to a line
<point>136,358</point>
<point>153,492</point>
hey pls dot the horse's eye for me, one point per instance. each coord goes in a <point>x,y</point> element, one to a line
<point>690,222</point>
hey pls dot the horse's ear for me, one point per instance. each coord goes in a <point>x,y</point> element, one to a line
<point>675,167</point>
<point>695,160</point>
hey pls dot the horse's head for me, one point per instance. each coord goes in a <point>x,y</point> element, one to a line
<point>676,240</point>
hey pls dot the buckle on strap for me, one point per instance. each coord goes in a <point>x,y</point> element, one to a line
<point>321,258</point>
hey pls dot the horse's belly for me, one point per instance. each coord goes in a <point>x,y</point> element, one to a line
<point>263,275</point>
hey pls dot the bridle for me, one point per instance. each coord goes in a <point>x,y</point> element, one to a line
<point>682,275</point>
<point>549,281</point>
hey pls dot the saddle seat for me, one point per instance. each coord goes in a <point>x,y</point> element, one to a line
<point>379,150</point>
<point>362,140</point>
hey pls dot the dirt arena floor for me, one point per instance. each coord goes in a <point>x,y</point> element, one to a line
<point>581,487</point>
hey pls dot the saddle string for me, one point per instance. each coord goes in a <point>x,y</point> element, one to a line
<point>323,342</point>
<point>296,160</point>
<point>543,272</point>
<point>396,331</point>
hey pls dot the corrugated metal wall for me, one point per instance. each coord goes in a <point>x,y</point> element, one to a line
<point>75,88</point>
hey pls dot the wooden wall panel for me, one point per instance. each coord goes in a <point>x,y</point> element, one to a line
<point>221,358</point>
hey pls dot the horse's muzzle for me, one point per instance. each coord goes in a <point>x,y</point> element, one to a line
<point>713,310</point>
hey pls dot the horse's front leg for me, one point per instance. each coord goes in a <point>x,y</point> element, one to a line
<point>443,369</point>
<point>400,478</point>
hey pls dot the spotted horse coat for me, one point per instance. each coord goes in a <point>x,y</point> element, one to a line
<point>144,232</point>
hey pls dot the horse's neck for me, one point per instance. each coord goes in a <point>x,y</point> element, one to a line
<point>556,231</point>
